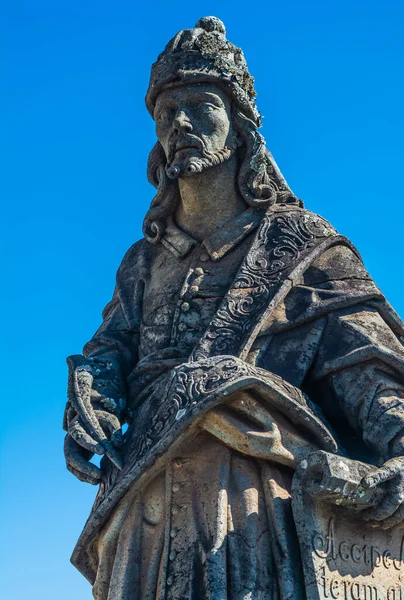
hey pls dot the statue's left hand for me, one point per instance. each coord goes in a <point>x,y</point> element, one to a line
<point>390,510</point>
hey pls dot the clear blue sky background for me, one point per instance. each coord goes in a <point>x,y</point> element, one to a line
<point>77,136</point>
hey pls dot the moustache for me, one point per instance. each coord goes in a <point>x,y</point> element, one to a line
<point>176,143</point>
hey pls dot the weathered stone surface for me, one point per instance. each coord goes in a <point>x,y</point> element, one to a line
<point>343,556</point>
<point>244,338</point>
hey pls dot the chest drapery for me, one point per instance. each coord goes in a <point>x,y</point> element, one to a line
<point>164,301</point>
<point>330,321</point>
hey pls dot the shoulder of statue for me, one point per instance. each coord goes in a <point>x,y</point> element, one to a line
<point>299,213</point>
<point>341,260</point>
<point>294,229</point>
<point>133,260</point>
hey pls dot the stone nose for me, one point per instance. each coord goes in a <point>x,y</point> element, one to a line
<point>182,122</point>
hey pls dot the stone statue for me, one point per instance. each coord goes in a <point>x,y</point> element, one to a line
<point>244,343</point>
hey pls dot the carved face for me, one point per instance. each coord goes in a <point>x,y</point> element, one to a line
<point>193,125</point>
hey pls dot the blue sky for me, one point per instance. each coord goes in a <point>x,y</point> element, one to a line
<point>330,84</point>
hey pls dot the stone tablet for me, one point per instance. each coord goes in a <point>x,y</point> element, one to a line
<point>343,556</point>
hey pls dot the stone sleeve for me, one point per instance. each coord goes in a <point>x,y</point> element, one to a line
<point>110,354</point>
<point>373,401</point>
<point>113,350</point>
<point>362,361</point>
<point>334,329</point>
<point>114,342</point>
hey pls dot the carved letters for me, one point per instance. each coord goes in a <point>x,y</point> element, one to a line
<point>343,556</point>
<point>379,571</point>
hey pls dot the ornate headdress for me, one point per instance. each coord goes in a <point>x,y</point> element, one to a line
<point>204,55</point>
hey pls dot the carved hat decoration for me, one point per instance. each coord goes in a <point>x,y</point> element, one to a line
<point>204,55</point>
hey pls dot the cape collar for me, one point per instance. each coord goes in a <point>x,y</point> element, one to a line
<point>220,242</point>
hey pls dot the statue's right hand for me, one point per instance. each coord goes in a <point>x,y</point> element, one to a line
<point>80,447</point>
<point>78,462</point>
<point>92,417</point>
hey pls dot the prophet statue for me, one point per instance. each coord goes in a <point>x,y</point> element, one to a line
<point>244,333</point>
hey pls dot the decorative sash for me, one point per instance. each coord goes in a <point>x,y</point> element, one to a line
<point>287,241</point>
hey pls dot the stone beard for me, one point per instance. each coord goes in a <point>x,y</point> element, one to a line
<point>257,365</point>
<point>182,163</point>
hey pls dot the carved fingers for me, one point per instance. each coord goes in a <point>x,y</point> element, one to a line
<point>395,519</point>
<point>111,426</point>
<point>81,437</point>
<point>387,508</point>
<point>390,510</point>
<point>80,446</point>
<point>392,468</point>
<point>101,397</point>
<point>78,462</point>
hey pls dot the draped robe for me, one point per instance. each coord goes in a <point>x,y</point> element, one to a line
<point>216,521</point>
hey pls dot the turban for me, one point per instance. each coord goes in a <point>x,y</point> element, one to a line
<point>204,55</point>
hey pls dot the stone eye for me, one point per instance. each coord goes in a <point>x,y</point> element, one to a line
<point>163,115</point>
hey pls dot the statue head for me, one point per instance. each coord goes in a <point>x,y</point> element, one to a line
<point>194,126</point>
<point>202,97</point>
